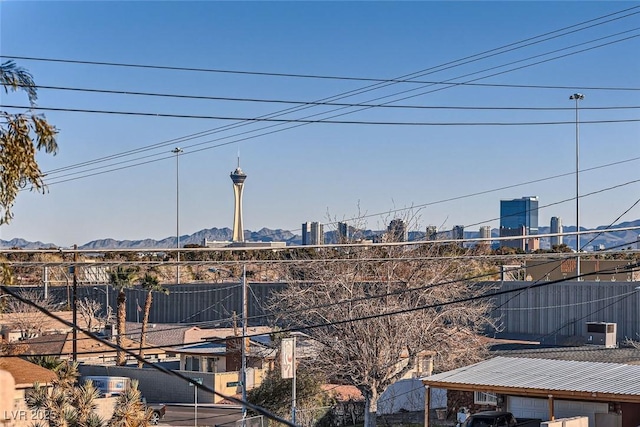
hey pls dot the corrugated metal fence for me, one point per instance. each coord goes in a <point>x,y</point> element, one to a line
<point>546,312</point>
<point>560,310</point>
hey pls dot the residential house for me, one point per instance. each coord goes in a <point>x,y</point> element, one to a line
<point>20,326</point>
<point>608,393</point>
<point>221,357</point>
<point>25,374</point>
<point>89,349</point>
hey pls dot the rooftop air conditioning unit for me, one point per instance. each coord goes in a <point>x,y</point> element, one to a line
<point>602,334</point>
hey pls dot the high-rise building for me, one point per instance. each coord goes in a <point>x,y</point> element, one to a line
<point>343,232</point>
<point>312,233</point>
<point>238,177</point>
<point>432,232</point>
<point>485,233</point>
<point>556,228</point>
<point>457,233</point>
<point>397,231</point>
<point>519,217</point>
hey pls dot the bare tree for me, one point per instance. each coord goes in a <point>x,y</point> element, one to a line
<point>24,317</point>
<point>376,311</point>
<point>89,310</point>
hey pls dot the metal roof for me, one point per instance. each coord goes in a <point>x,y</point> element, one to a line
<point>541,374</point>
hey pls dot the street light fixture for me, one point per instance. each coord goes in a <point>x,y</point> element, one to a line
<point>577,97</point>
<point>177,152</point>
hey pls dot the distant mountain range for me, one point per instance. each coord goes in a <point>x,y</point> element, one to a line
<point>621,239</point>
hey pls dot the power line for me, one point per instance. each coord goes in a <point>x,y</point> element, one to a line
<point>155,366</point>
<point>631,267</point>
<point>470,279</point>
<point>428,203</point>
<point>314,121</point>
<point>339,104</point>
<point>580,249</point>
<point>319,121</point>
<point>602,190</point>
<point>346,94</point>
<point>315,76</point>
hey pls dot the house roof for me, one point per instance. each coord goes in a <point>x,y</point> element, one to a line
<point>256,333</point>
<point>167,334</point>
<point>203,348</point>
<point>219,348</point>
<point>630,356</point>
<point>26,373</point>
<point>62,345</point>
<point>48,324</point>
<point>594,381</point>
<point>176,335</point>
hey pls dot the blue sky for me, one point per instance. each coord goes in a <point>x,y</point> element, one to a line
<point>316,171</point>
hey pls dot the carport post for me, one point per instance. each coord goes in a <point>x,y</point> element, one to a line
<point>427,405</point>
<point>551,414</point>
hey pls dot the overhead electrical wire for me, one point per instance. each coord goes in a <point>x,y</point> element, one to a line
<point>328,120</point>
<point>192,381</point>
<point>335,104</point>
<point>599,233</point>
<point>393,101</point>
<point>319,121</point>
<point>476,277</point>
<point>419,206</point>
<point>620,299</point>
<point>631,267</point>
<point>371,87</point>
<point>313,76</point>
<point>591,193</point>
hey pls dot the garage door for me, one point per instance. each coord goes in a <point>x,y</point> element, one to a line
<point>525,407</point>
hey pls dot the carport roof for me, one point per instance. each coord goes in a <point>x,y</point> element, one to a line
<point>595,381</point>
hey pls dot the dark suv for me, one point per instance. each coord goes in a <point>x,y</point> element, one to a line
<point>491,419</point>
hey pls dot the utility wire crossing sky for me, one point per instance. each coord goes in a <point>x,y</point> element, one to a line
<point>339,110</point>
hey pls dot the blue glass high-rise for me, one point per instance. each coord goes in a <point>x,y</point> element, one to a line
<point>519,217</point>
<point>520,212</point>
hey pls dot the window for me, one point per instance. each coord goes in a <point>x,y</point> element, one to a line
<point>192,363</point>
<point>485,398</point>
<point>212,364</point>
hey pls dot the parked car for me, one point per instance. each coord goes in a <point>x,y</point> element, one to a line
<point>499,419</point>
<point>159,409</point>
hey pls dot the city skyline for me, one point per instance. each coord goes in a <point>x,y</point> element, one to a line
<point>451,171</point>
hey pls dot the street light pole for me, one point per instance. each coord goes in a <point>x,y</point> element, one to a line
<point>577,97</point>
<point>177,152</point>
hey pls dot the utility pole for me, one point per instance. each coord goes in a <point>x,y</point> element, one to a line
<point>243,374</point>
<point>75,303</point>
<point>294,398</point>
